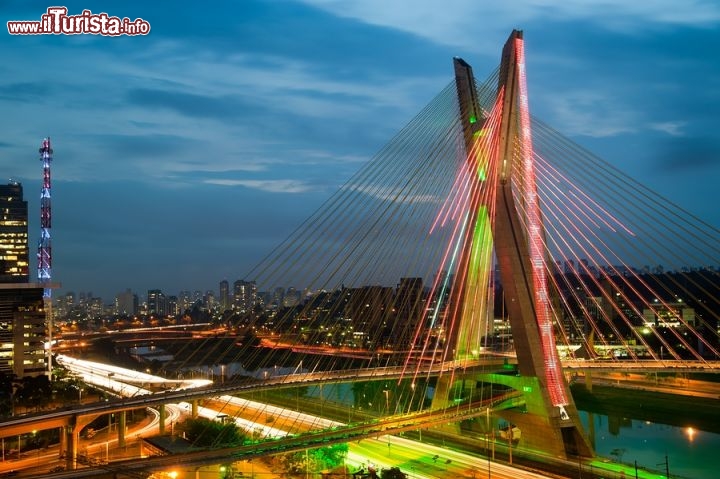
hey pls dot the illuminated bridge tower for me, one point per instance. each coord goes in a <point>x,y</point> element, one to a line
<point>550,422</point>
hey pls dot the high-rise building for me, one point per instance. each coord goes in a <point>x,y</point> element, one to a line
<point>292,297</point>
<point>156,303</point>
<point>209,300</point>
<point>244,295</point>
<point>173,306</point>
<point>197,297</point>
<point>224,295</point>
<point>126,303</point>
<point>13,234</point>
<point>369,309</point>
<point>278,297</point>
<point>22,329</point>
<point>184,301</point>
<point>408,310</point>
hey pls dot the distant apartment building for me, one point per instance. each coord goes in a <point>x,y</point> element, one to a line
<point>244,295</point>
<point>409,306</point>
<point>185,300</point>
<point>369,308</point>
<point>156,303</point>
<point>173,307</point>
<point>291,298</point>
<point>224,295</point>
<point>210,300</point>
<point>126,303</point>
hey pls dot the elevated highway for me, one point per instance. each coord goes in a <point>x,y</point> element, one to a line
<point>179,393</point>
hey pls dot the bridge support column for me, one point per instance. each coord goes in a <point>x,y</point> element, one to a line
<point>72,439</point>
<point>449,391</point>
<point>194,408</point>
<point>122,419</point>
<point>163,417</point>
<point>63,441</point>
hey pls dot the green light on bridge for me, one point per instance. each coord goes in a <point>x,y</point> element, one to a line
<point>473,119</point>
<point>527,389</point>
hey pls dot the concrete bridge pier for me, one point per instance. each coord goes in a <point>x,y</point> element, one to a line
<point>121,426</point>
<point>194,408</point>
<point>163,418</point>
<point>449,390</point>
<point>71,439</point>
<point>63,441</point>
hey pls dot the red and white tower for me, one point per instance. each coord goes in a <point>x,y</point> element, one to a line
<point>45,244</point>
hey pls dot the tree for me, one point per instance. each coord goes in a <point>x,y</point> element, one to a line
<point>328,457</point>
<point>34,392</point>
<point>6,394</point>
<point>392,473</point>
<point>67,388</point>
<point>205,432</point>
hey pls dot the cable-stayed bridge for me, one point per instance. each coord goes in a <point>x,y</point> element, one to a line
<point>479,229</point>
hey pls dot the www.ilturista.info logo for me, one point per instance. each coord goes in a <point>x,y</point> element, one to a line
<point>57,22</point>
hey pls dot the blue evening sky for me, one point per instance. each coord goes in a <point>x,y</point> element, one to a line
<point>184,156</point>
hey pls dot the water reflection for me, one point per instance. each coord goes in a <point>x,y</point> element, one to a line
<point>689,451</point>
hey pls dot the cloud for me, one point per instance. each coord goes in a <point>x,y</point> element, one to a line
<point>270,186</point>
<point>192,105</point>
<point>393,194</point>
<point>455,23</point>
<point>672,128</point>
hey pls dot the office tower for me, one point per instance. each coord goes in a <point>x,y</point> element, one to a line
<point>156,303</point>
<point>13,234</point>
<point>224,295</point>
<point>126,303</point>
<point>408,310</point>
<point>244,295</point>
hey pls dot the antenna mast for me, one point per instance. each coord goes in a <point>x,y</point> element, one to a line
<point>45,244</point>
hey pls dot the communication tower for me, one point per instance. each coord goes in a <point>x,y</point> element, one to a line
<point>45,244</point>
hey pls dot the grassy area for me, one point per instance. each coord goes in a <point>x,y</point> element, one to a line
<point>675,410</point>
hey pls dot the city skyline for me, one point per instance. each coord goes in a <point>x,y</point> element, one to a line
<point>184,156</point>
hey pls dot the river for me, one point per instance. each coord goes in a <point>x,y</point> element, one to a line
<point>689,452</point>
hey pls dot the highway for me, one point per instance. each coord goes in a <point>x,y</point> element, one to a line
<point>136,394</point>
<point>262,420</point>
<point>425,461</point>
<point>111,377</point>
